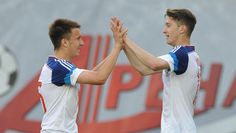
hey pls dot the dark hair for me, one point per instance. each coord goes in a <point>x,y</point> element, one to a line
<point>59,29</point>
<point>184,16</point>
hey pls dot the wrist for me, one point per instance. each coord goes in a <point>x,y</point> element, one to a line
<point>118,46</point>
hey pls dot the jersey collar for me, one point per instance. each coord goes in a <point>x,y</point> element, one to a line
<point>190,48</point>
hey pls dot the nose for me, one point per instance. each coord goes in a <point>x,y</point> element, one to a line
<point>81,42</point>
<point>164,30</point>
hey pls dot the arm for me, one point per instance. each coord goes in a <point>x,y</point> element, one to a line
<point>100,73</point>
<point>136,62</point>
<point>143,61</point>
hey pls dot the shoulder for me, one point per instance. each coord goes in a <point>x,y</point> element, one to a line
<point>180,57</point>
<point>179,50</point>
<point>59,65</point>
<point>179,54</point>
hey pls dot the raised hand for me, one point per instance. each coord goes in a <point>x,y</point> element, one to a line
<point>119,33</point>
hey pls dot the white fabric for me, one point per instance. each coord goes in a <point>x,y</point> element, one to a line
<point>178,96</point>
<point>61,102</point>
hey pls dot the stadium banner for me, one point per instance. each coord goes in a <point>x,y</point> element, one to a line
<point>127,102</point>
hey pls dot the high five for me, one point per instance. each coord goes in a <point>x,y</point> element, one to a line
<point>180,70</point>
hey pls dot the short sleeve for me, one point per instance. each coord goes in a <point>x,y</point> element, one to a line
<point>64,73</point>
<point>72,76</point>
<point>177,59</point>
<point>169,60</point>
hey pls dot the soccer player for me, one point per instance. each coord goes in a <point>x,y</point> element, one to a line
<point>180,70</point>
<point>59,78</point>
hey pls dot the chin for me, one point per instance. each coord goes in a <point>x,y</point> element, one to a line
<point>168,42</point>
<point>77,54</point>
<point>171,44</point>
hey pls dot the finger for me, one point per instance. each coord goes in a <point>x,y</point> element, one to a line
<point>114,22</point>
<point>124,36</point>
<point>118,22</point>
<point>112,25</point>
<point>124,31</point>
<point>114,19</point>
<point>119,26</point>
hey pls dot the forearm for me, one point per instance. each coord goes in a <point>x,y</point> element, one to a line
<point>101,72</point>
<point>100,64</point>
<point>136,62</point>
<point>146,59</point>
<point>105,67</point>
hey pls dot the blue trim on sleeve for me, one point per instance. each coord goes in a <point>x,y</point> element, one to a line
<point>176,62</point>
<point>60,71</point>
<point>67,79</point>
<point>180,58</point>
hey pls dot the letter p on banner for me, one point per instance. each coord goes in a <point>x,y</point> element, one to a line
<point>117,85</point>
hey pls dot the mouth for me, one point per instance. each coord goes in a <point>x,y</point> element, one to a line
<point>78,50</point>
<point>167,36</point>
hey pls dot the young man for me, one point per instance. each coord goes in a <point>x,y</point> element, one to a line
<point>180,71</point>
<point>59,77</point>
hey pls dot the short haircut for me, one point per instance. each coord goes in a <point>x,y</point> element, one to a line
<point>59,29</point>
<point>184,16</point>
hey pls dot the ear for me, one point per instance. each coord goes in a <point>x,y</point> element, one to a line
<point>64,42</point>
<point>183,29</point>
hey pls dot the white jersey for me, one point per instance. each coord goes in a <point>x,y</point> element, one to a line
<point>59,96</point>
<point>181,85</point>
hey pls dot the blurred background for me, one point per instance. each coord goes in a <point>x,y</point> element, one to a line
<point>127,103</point>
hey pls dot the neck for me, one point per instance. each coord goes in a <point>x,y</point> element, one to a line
<point>185,41</point>
<point>62,55</point>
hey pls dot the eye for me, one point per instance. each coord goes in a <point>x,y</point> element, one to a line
<point>167,25</point>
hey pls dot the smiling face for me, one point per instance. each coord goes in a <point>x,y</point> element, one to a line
<point>172,31</point>
<point>74,42</point>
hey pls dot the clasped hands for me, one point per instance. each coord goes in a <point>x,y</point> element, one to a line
<point>119,32</point>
